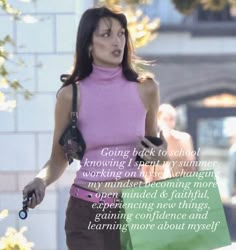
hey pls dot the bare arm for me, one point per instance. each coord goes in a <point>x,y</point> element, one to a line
<point>150,95</point>
<point>57,163</point>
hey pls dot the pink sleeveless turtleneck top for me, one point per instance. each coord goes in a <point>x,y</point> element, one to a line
<point>111,118</point>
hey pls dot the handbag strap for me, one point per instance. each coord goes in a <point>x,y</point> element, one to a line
<point>74,110</point>
<point>74,100</point>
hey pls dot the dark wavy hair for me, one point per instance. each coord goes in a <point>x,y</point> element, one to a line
<point>82,61</point>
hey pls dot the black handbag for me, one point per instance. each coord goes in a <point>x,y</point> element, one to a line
<point>72,140</point>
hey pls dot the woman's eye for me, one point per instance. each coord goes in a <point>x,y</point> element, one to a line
<point>106,34</point>
<point>122,33</point>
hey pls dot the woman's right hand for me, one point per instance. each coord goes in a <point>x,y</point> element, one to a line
<point>38,187</point>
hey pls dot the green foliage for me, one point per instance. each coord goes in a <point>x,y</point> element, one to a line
<point>185,7</point>
<point>120,2</point>
<point>214,5</point>
<point>13,239</point>
<point>142,30</point>
<point>6,59</point>
<point>9,9</point>
<point>137,1</point>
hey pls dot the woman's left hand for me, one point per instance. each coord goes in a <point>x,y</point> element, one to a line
<point>153,153</point>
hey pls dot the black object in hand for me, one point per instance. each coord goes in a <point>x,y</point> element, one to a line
<point>24,212</point>
<point>157,141</point>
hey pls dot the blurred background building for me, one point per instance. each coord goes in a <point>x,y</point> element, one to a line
<point>195,65</point>
<point>195,58</point>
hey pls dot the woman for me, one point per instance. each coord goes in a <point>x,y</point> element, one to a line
<point>115,110</point>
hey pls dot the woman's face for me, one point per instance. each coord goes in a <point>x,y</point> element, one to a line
<point>108,42</point>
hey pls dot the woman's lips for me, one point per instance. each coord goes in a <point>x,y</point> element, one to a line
<point>116,52</point>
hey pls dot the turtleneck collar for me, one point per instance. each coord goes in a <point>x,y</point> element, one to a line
<point>104,74</point>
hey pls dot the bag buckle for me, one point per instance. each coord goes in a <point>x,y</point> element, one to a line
<point>73,114</point>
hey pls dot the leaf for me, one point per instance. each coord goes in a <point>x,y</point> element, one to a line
<point>2,60</point>
<point>8,8</point>
<point>6,56</point>
<point>4,83</point>
<point>214,5</point>
<point>27,94</point>
<point>185,7</point>
<point>4,212</point>
<point>2,97</point>
<point>8,38</point>
<point>3,71</point>
<point>15,84</point>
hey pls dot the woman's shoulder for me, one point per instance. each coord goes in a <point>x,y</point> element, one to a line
<point>65,93</point>
<point>65,96</point>
<point>149,86</point>
<point>149,91</point>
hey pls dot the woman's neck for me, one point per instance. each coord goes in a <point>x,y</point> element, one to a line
<point>105,74</point>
